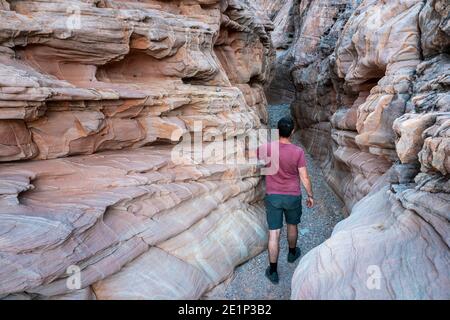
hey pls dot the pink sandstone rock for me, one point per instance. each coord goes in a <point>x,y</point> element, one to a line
<point>96,109</point>
<point>372,104</point>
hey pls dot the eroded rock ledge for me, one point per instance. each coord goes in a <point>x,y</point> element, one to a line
<point>93,97</point>
<point>372,100</point>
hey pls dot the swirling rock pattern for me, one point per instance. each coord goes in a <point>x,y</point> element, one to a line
<point>94,95</point>
<point>372,102</point>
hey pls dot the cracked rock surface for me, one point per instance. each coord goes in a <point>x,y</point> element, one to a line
<point>93,100</point>
<point>372,100</point>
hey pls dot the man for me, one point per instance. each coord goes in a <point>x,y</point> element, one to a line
<point>283,192</point>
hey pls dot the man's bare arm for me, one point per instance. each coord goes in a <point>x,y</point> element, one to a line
<point>304,178</point>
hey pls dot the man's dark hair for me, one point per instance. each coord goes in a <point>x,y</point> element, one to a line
<point>286,126</point>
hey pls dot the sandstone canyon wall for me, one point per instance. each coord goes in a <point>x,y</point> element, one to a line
<point>372,103</point>
<point>281,89</point>
<point>94,95</point>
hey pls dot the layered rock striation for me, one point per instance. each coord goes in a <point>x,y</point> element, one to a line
<point>94,97</point>
<point>372,104</point>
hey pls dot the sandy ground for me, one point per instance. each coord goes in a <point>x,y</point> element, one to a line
<point>248,281</point>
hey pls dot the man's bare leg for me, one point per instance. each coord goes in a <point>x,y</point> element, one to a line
<point>274,248</point>
<point>292,235</point>
<point>274,245</point>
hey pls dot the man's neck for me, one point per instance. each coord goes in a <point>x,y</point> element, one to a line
<point>285,140</point>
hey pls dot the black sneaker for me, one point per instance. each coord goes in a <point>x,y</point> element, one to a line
<point>272,277</point>
<point>292,257</point>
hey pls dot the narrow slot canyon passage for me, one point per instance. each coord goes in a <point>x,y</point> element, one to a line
<point>248,281</point>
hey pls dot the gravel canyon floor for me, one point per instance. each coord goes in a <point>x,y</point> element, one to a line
<point>249,282</point>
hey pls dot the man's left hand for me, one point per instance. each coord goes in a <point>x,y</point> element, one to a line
<point>310,202</point>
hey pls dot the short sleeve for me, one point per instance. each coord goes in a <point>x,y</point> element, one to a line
<point>301,163</point>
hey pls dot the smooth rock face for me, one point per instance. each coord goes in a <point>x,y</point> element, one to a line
<point>372,103</point>
<point>94,97</point>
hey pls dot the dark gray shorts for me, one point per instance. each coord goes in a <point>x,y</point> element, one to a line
<point>279,204</point>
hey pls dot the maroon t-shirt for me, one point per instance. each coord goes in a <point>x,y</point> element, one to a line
<point>284,179</point>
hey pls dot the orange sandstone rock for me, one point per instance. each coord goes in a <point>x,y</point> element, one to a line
<point>95,96</point>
